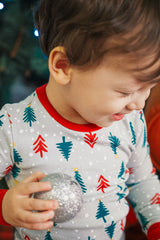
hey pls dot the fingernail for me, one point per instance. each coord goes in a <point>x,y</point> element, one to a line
<point>51,214</point>
<point>51,224</point>
<point>55,204</point>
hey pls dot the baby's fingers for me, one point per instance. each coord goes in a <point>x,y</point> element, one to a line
<point>27,189</point>
<point>40,205</point>
<point>37,220</point>
<point>35,177</point>
<point>38,217</point>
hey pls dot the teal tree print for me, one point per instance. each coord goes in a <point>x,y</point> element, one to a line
<point>1,123</point>
<point>110,230</point>
<point>17,157</point>
<point>17,161</point>
<point>48,235</point>
<point>132,203</point>
<point>114,143</point>
<point>65,148</point>
<point>141,116</point>
<point>122,171</point>
<point>102,211</point>
<point>144,137</point>
<point>143,220</point>
<point>121,193</point>
<point>80,180</point>
<point>130,185</point>
<point>148,149</point>
<point>15,171</point>
<point>89,238</point>
<point>29,115</point>
<point>120,196</point>
<point>133,133</point>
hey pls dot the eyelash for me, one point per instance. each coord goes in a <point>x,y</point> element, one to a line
<point>125,94</point>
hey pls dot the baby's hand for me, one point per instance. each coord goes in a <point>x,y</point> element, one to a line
<point>17,206</point>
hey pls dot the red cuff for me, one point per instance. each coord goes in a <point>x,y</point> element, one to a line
<point>154,232</point>
<point>2,193</point>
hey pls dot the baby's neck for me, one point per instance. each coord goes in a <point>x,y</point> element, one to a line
<point>56,97</point>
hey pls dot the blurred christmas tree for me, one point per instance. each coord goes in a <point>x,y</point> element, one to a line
<point>21,58</point>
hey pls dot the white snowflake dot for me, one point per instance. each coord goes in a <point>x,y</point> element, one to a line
<point>31,130</point>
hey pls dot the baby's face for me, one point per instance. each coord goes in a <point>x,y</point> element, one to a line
<point>105,94</point>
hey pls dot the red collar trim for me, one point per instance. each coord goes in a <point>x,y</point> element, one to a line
<point>41,93</point>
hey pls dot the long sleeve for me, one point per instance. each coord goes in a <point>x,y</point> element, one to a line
<point>144,185</point>
<point>5,154</point>
<point>2,193</point>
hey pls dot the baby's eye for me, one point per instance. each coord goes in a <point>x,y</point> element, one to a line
<point>126,94</point>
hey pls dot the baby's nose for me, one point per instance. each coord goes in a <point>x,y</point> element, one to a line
<point>138,102</point>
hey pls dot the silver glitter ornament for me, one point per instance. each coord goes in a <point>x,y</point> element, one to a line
<point>67,191</point>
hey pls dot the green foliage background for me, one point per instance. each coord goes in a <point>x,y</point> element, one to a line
<point>20,53</point>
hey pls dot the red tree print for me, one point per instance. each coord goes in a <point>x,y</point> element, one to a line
<point>8,169</point>
<point>122,225</point>
<point>40,146</point>
<point>129,170</point>
<point>9,118</point>
<point>27,238</point>
<point>91,139</point>
<point>103,184</point>
<point>153,170</point>
<point>156,199</point>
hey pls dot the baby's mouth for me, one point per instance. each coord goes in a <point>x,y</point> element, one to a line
<point>117,117</point>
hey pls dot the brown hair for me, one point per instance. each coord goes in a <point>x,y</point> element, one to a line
<point>90,29</point>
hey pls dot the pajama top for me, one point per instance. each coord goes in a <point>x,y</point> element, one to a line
<point>109,164</point>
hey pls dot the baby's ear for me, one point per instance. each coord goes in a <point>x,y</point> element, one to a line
<point>59,65</point>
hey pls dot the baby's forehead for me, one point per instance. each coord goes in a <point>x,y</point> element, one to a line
<point>145,69</point>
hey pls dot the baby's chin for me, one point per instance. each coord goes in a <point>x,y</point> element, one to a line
<point>105,124</point>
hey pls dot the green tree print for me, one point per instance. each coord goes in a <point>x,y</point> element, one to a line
<point>133,133</point>
<point>114,143</point>
<point>29,115</point>
<point>17,157</point>
<point>122,171</point>
<point>144,137</point>
<point>48,236</point>
<point>110,230</point>
<point>143,220</point>
<point>15,171</point>
<point>102,211</point>
<point>1,123</point>
<point>65,148</point>
<point>17,160</point>
<point>80,180</point>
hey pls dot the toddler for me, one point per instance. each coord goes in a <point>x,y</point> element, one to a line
<point>87,122</point>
